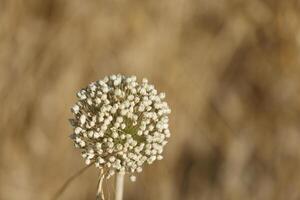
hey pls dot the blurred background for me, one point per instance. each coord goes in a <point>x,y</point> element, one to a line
<point>230,69</point>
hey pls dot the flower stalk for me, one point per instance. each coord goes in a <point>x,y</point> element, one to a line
<point>119,186</point>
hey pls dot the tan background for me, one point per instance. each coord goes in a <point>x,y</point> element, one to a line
<point>230,68</point>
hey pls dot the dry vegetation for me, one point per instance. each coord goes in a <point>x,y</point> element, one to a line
<point>230,68</point>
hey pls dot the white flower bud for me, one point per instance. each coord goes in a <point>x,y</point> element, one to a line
<point>133,178</point>
<point>82,119</point>
<point>87,161</point>
<point>77,130</point>
<point>75,109</point>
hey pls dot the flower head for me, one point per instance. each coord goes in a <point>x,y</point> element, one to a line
<point>120,124</point>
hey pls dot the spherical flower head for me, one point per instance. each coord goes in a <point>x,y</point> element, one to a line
<point>120,124</point>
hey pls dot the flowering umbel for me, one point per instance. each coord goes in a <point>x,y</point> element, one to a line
<point>120,124</point>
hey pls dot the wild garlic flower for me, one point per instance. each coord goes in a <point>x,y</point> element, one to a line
<point>120,124</point>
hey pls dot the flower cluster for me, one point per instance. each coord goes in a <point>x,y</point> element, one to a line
<point>120,124</point>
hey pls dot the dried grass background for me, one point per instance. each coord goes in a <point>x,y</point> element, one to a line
<point>230,68</point>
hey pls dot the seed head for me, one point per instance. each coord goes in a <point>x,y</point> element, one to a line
<point>120,124</point>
